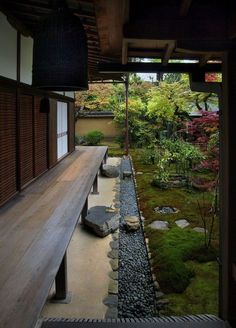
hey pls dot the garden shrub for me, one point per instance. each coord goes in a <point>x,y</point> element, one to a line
<point>79,140</point>
<point>150,155</point>
<point>120,140</point>
<point>93,138</point>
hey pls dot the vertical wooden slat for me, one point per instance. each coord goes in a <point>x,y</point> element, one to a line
<point>40,138</point>
<point>8,185</point>
<point>26,139</point>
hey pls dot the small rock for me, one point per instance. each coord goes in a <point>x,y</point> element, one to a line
<point>115,236</point>
<point>112,313</point>
<point>201,230</point>
<point>109,171</point>
<point>182,223</point>
<point>114,264</point>
<point>132,223</point>
<point>159,295</point>
<point>127,174</point>
<point>114,244</point>
<point>159,225</point>
<point>113,254</point>
<point>111,301</point>
<point>113,275</point>
<point>162,303</point>
<point>156,285</point>
<point>139,173</point>
<point>113,287</point>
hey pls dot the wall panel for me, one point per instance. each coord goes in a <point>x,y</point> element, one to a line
<point>8,184</point>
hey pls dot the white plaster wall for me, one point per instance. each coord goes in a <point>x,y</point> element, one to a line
<point>70,94</point>
<point>8,49</point>
<point>26,60</point>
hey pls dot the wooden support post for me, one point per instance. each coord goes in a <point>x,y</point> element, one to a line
<point>95,186</point>
<point>127,115</point>
<point>62,295</point>
<point>84,212</point>
<point>227,187</point>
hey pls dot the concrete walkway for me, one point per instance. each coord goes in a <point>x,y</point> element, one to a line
<point>88,264</point>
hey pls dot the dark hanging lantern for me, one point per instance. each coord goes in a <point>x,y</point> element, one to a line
<point>60,54</point>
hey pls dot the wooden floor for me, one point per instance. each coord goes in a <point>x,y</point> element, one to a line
<point>35,230</point>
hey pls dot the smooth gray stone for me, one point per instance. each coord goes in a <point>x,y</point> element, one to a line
<point>113,254</point>
<point>101,222</point>
<point>113,275</point>
<point>182,223</point>
<point>112,313</point>
<point>159,225</point>
<point>111,301</point>
<point>109,171</point>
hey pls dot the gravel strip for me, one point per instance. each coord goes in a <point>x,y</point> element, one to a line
<point>136,290</point>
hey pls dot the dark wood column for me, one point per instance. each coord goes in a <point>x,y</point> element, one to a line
<point>228,187</point>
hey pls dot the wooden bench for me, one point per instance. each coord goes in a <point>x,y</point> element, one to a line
<point>35,230</point>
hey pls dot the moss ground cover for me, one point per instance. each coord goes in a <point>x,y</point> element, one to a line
<point>186,271</point>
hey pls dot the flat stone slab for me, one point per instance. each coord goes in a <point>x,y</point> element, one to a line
<point>182,223</point>
<point>111,301</point>
<point>201,230</point>
<point>112,313</point>
<point>113,287</point>
<point>113,275</point>
<point>159,225</point>
<point>132,223</point>
<point>114,264</point>
<point>127,174</point>
<point>113,254</point>
<point>109,171</point>
<point>101,221</point>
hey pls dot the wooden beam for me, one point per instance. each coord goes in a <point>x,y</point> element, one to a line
<point>124,52</point>
<point>178,29</point>
<point>156,67</point>
<point>204,59</point>
<point>168,52</point>
<point>184,9</point>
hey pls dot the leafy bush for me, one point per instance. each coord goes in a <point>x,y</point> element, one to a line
<point>150,155</point>
<point>120,140</point>
<point>93,138</point>
<point>79,140</point>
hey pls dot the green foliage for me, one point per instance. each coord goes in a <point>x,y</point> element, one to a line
<point>120,140</point>
<point>79,140</point>
<point>93,138</point>
<point>183,153</point>
<point>149,155</point>
<point>162,174</point>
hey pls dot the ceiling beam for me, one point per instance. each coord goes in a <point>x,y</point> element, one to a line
<point>184,8</point>
<point>168,52</point>
<point>178,29</point>
<point>156,67</point>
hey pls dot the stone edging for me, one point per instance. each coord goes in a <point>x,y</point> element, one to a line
<point>111,301</point>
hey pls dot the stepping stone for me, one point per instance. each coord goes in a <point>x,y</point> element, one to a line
<point>159,225</point>
<point>132,223</point>
<point>182,223</point>
<point>139,173</point>
<point>109,171</point>
<point>100,221</point>
<point>201,230</point>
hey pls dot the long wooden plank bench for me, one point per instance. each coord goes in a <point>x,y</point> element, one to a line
<point>35,230</point>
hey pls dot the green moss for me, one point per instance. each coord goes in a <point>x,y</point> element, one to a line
<point>201,296</point>
<point>192,285</point>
